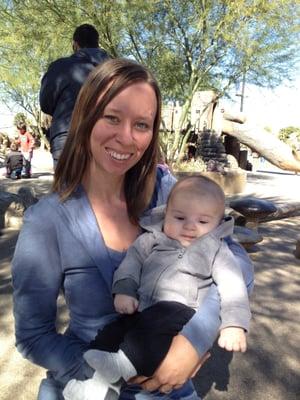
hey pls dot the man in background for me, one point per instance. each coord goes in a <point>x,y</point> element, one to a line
<point>63,80</point>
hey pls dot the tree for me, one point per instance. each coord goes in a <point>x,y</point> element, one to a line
<point>190,45</point>
<point>20,119</point>
<point>290,135</point>
<point>264,143</point>
<point>197,45</point>
<point>34,35</point>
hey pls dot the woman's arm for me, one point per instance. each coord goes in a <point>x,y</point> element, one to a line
<point>37,279</point>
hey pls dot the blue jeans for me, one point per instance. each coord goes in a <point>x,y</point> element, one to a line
<point>52,390</point>
<point>57,145</point>
<point>186,392</point>
<point>14,174</point>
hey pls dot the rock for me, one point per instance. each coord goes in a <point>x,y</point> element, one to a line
<point>13,217</point>
<point>239,219</point>
<point>5,200</point>
<point>13,206</point>
<point>253,209</point>
<point>246,237</point>
<point>27,195</point>
<point>284,211</point>
<point>297,251</point>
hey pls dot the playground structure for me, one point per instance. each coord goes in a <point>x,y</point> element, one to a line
<point>231,130</point>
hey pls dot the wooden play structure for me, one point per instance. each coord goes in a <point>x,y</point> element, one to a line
<point>208,118</point>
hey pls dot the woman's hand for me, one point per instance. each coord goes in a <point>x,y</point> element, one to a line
<point>180,364</point>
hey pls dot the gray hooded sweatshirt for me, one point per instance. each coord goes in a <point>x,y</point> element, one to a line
<point>157,268</point>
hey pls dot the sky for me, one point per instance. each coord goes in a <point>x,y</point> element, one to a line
<point>275,109</point>
<point>6,119</point>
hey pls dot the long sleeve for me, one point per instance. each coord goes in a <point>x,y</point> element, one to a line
<point>235,309</point>
<point>203,328</point>
<point>50,88</point>
<point>37,280</point>
<point>127,276</point>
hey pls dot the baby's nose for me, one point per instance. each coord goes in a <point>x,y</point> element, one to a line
<point>190,225</point>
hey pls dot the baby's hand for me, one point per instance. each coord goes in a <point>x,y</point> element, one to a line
<point>125,304</point>
<point>233,339</point>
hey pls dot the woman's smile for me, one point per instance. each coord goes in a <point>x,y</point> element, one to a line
<point>118,155</point>
<point>122,135</point>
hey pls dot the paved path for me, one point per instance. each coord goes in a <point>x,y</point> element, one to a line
<point>270,368</point>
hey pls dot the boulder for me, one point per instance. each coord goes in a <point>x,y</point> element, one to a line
<point>13,217</point>
<point>246,237</point>
<point>253,209</point>
<point>297,250</point>
<point>13,206</point>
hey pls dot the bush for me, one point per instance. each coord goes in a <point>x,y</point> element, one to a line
<point>194,165</point>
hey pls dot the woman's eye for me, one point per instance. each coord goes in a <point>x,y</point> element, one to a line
<point>143,126</point>
<point>111,118</point>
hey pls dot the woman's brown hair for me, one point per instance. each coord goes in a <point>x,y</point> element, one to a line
<point>108,80</point>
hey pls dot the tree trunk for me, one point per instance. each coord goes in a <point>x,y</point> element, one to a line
<point>267,145</point>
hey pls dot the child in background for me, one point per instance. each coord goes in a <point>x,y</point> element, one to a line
<point>162,280</point>
<point>14,162</point>
<point>26,142</point>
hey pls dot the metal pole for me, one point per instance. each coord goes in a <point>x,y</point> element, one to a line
<point>243,92</point>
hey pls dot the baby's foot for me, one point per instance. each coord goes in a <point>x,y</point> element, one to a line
<point>111,366</point>
<point>95,388</point>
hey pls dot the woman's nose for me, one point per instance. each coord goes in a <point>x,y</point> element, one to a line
<point>125,134</point>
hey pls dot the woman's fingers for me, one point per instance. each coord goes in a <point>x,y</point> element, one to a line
<point>204,358</point>
<point>138,380</point>
<point>180,364</point>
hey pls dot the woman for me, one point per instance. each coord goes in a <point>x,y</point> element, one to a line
<point>74,239</point>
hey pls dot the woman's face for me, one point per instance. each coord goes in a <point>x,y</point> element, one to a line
<point>121,136</point>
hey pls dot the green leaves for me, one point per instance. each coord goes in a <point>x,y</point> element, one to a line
<point>188,44</point>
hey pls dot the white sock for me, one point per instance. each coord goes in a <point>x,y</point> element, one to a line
<point>112,366</point>
<point>95,388</point>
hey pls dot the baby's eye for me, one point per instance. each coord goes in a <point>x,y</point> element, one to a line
<point>203,222</point>
<point>111,118</point>
<point>179,218</point>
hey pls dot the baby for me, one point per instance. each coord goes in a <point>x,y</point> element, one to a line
<point>162,280</point>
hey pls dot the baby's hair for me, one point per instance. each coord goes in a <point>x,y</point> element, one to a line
<point>199,185</point>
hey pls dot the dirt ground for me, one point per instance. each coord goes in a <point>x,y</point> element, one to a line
<point>270,368</point>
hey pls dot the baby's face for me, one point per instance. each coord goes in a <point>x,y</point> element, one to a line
<point>189,217</point>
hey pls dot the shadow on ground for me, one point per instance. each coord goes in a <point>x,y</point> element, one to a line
<point>19,379</point>
<point>40,184</point>
<point>270,368</point>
